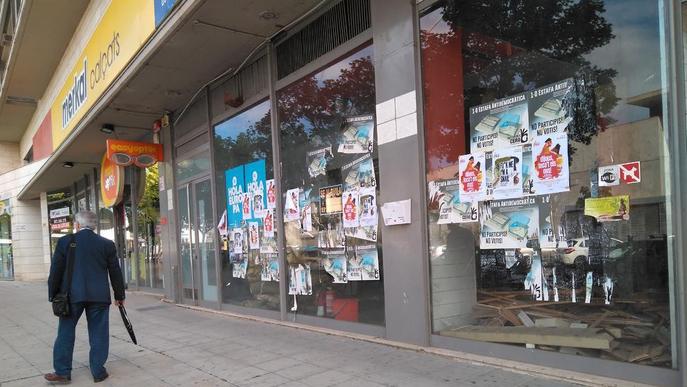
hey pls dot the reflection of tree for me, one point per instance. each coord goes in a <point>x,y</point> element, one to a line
<point>510,47</point>
<point>312,110</point>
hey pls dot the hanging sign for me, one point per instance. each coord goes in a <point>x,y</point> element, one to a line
<point>111,182</point>
<point>141,154</point>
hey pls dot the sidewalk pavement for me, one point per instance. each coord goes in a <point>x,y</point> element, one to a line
<point>182,347</point>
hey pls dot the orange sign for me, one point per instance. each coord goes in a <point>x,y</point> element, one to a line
<point>141,154</point>
<point>111,182</point>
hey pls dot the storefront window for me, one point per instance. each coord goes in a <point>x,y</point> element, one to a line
<point>59,215</point>
<point>330,183</point>
<point>249,255</point>
<point>149,247</point>
<point>6,262</point>
<point>547,163</point>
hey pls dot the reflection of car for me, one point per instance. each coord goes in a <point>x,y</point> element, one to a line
<point>578,250</point>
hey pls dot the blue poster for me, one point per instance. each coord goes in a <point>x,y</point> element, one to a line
<point>162,9</point>
<point>235,192</point>
<point>255,186</point>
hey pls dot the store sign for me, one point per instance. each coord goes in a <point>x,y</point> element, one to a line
<point>162,9</point>
<point>124,27</point>
<point>59,212</point>
<point>111,182</point>
<point>630,173</point>
<point>141,154</point>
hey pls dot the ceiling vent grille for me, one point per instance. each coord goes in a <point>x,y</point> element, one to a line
<point>339,24</point>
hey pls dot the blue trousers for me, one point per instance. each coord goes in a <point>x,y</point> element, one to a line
<point>98,316</point>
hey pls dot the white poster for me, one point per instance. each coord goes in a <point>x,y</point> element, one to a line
<point>271,194</point>
<point>506,173</point>
<point>368,207</point>
<point>364,265</point>
<point>317,161</point>
<point>351,205</point>
<point>268,224</point>
<point>508,224</point>
<point>550,163</point>
<point>292,208</point>
<point>473,187</point>
<point>357,135</point>
<point>550,107</point>
<point>533,280</point>
<point>500,123</point>
<point>306,218</point>
<point>589,283</point>
<point>446,196</point>
<point>253,236</point>
<point>237,238</point>
<point>246,205</point>
<point>335,265</point>
<point>239,265</point>
<point>270,268</point>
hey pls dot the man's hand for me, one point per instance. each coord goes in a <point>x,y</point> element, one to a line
<point>119,302</point>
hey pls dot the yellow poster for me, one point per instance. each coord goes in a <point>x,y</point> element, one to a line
<point>124,27</point>
<point>608,209</point>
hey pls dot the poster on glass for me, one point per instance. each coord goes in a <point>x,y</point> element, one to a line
<point>446,196</point>
<point>508,224</point>
<point>498,124</point>
<point>357,135</point>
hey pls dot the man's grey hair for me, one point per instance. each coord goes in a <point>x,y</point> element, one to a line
<point>86,219</point>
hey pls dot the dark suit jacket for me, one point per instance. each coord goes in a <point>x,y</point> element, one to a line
<point>95,257</point>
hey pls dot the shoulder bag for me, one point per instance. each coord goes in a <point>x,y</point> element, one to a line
<point>60,303</point>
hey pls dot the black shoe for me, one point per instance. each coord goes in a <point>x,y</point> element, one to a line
<point>101,378</point>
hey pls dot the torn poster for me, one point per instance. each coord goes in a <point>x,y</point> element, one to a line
<point>222,226</point>
<point>271,194</point>
<point>533,280</point>
<point>237,238</point>
<point>335,263</point>
<point>506,173</point>
<point>270,268</point>
<point>317,161</point>
<point>446,193</point>
<point>555,286</point>
<point>331,234</point>
<point>500,123</point>
<point>359,173</point>
<point>550,163</point>
<point>589,282</point>
<point>357,135</point>
<point>351,203</point>
<point>573,290</point>
<point>608,209</point>
<point>300,280</point>
<point>268,245</point>
<point>292,208</point>
<point>330,200</point>
<point>253,236</point>
<point>239,265</point>
<point>508,224</point>
<point>473,187</point>
<point>550,108</point>
<point>364,264</point>
<point>608,290</point>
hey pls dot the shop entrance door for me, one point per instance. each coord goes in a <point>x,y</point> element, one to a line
<point>6,265</point>
<point>197,233</point>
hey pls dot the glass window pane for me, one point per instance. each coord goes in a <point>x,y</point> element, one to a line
<point>548,166</point>
<point>206,240</point>
<point>250,264</point>
<point>330,179</point>
<point>149,248</point>
<point>194,165</point>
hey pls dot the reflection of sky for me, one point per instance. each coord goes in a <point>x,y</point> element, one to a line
<point>333,71</point>
<point>634,53</point>
<point>236,125</point>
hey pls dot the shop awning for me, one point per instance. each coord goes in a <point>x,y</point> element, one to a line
<point>199,41</point>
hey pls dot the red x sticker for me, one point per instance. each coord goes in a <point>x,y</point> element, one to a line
<point>630,173</point>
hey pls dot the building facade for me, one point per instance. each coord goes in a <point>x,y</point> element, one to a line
<point>503,179</point>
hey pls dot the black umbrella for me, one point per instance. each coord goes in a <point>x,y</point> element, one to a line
<point>127,324</point>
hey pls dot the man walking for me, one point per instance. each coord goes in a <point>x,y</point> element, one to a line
<point>94,257</point>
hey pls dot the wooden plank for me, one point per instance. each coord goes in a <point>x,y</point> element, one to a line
<point>510,317</point>
<point>593,338</point>
<point>526,320</point>
<point>551,323</point>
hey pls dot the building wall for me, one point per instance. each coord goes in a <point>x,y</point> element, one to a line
<point>9,156</point>
<point>87,25</point>
<point>29,227</point>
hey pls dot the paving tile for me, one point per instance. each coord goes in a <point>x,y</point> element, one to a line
<point>300,371</point>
